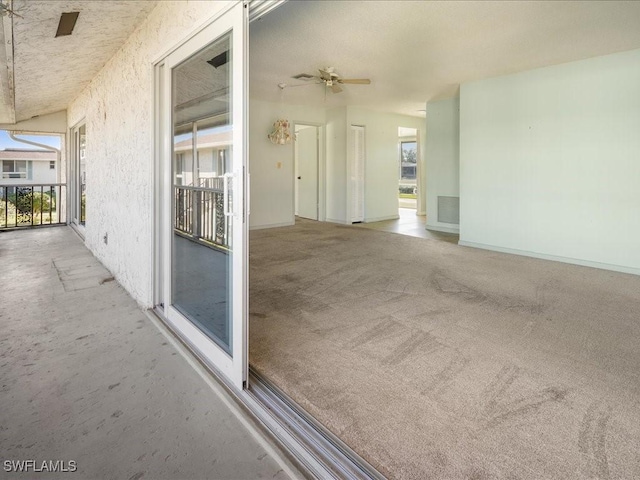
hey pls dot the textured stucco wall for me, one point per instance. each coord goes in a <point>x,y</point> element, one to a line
<point>118,107</point>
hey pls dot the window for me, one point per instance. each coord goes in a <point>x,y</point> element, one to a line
<point>15,169</point>
<point>408,160</point>
<point>52,165</point>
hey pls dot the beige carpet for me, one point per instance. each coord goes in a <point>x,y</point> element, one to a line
<point>438,361</point>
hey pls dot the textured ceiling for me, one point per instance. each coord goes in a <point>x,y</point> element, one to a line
<point>412,51</point>
<point>49,72</point>
<point>416,51</point>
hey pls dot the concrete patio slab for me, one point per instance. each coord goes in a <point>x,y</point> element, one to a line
<point>87,380</point>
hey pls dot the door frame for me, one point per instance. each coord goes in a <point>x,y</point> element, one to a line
<point>319,454</point>
<point>233,368</point>
<point>73,199</point>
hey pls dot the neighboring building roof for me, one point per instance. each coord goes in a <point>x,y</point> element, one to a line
<point>25,154</point>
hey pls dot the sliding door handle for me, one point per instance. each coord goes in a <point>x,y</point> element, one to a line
<point>225,194</point>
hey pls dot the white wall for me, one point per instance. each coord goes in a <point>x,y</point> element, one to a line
<point>271,166</point>
<point>42,173</point>
<point>549,162</point>
<point>336,165</point>
<point>118,107</point>
<point>382,157</point>
<point>442,158</point>
<point>48,123</point>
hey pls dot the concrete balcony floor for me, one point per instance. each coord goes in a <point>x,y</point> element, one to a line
<point>86,376</point>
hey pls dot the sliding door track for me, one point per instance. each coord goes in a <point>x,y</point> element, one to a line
<point>315,451</point>
<point>334,455</point>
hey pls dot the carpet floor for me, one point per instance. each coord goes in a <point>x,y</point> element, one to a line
<point>433,360</point>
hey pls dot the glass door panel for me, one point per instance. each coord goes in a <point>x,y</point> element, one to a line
<point>78,175</point>
<point>202,253</point>
<point>82,173</point>
<point>205,266</point>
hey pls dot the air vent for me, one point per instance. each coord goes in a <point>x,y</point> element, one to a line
<point>303,76</point>
<point>219,60</point>
<point>67,23</point>
<point>449,210</point>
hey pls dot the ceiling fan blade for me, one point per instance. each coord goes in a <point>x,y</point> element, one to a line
<point>355,81</point>
<point>324,75</point>
<point>304,84</point>
<point>335,88</point>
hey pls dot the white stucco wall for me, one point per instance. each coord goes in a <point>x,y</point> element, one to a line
<point>549,162</point>
<point>442,158</point>
<point>118,109</point>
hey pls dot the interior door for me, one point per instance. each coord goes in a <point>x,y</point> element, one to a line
<point>204,219</point>
<point>306,171</point>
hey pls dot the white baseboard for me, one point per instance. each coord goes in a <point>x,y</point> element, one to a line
<point>439,228</point>
<point>555,258</point>
<point>271,225</point>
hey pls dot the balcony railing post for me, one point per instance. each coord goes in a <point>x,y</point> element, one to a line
<point>195,218</point>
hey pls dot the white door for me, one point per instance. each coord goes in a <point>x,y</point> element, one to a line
<point>204,217</point>
<point>306,171</point>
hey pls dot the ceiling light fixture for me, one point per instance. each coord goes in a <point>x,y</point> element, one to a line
<point>67,23</point>
<point>281,134</point>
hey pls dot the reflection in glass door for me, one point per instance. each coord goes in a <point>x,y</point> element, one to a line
<point>82,174</point>
<point>204,264</point>
<point>203,194</point>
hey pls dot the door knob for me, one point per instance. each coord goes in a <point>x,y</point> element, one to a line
<point>299,178</point>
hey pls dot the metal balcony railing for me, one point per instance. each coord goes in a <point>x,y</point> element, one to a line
<point>199,213</point>
<point>32,205</point>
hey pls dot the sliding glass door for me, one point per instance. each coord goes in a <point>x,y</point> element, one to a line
<point>78,175</point>
<point>204,214</point>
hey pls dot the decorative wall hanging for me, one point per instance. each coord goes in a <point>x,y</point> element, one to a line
<point>281,134</point>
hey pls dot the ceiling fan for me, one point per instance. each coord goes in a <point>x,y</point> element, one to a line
<point>330,79</point>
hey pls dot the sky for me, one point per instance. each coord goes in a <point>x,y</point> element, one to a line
<point>6,142</point>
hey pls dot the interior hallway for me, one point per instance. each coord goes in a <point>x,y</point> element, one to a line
<point>87,376</point>
<point>410,224</point>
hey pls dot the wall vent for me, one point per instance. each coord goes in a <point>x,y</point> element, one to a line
<point>303,76</point>
<point>449,210</point>
<point>67,23</point>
